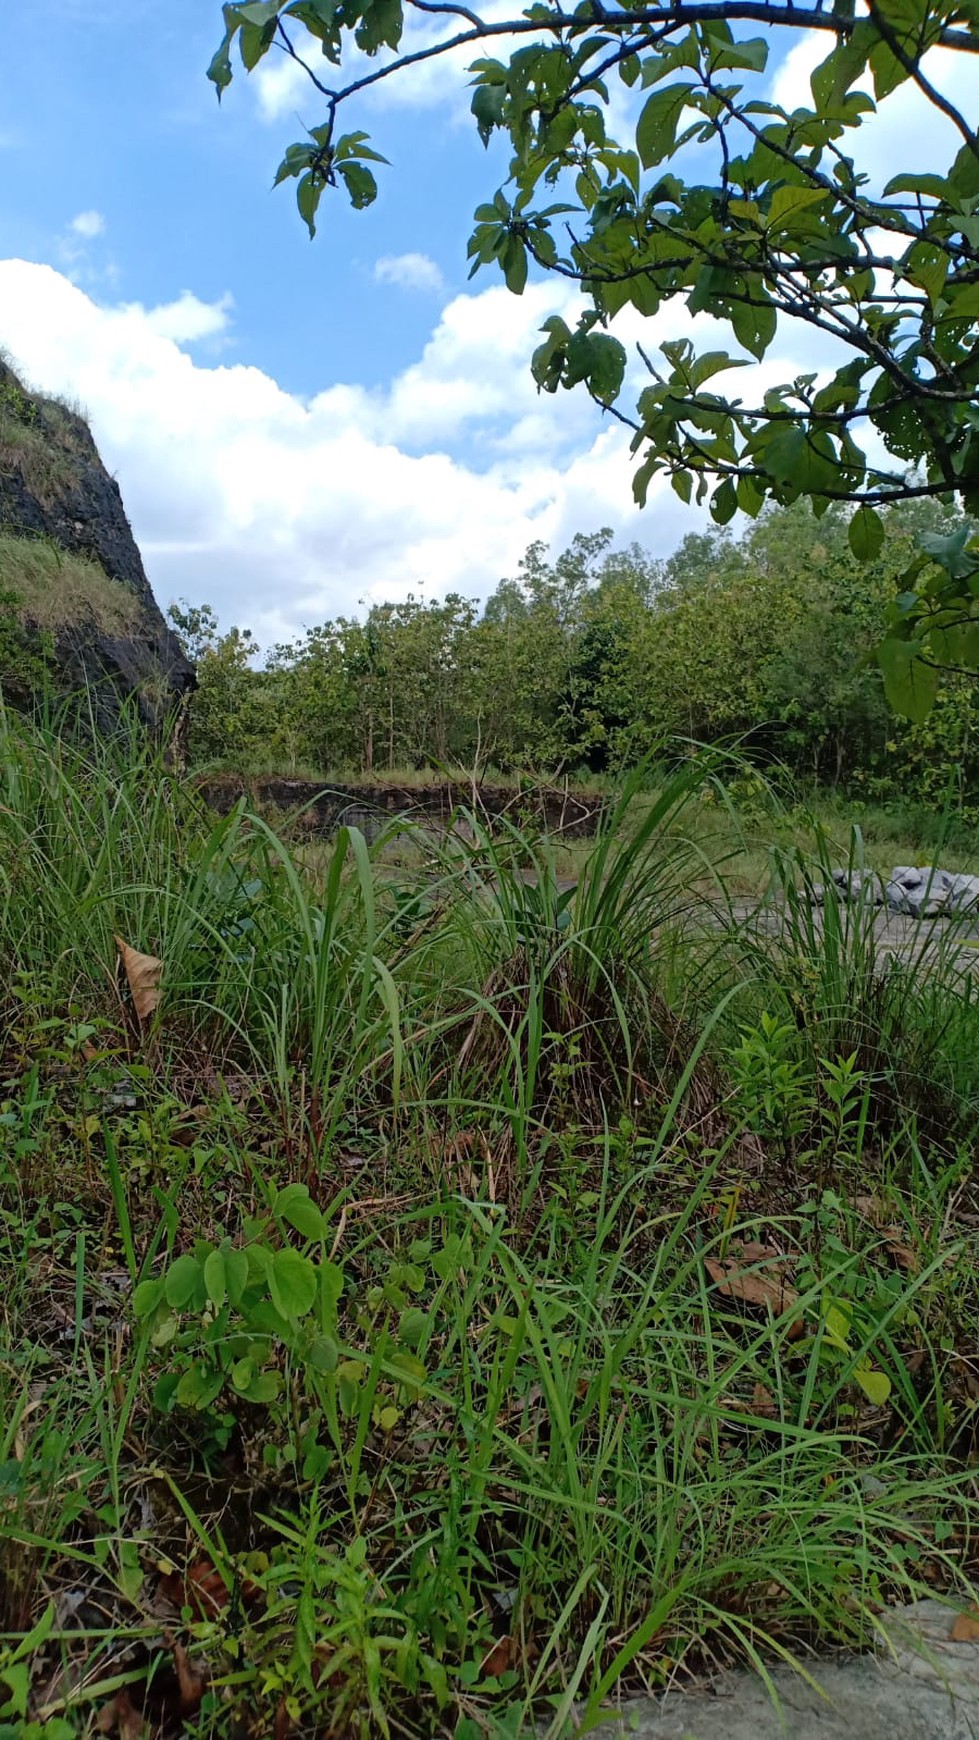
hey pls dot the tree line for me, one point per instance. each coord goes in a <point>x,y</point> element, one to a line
<point>592,660</point>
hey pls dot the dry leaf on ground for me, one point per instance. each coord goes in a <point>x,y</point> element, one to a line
<point>143,977</point>
<point>756,1288</point>
<point>120,1717</point>
<point>965,1628</point>
<point>190,1681</point>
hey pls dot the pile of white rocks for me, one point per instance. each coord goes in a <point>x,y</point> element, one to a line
<point>922,891</point>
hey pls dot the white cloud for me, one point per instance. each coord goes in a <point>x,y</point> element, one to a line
<point>88,225</point>
<point>187,318</point>
<point>409,271</point>
<point>282,511</point>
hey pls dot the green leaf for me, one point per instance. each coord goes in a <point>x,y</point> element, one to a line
<point>934,186</point>
<point>658,123</point>
<point>361,184</point>
<point>927,267</point>
<point>242,1373</point>
<point>292,1283</point>
<point>865,534</point>
<point>308,198</point>
<point>294,1205</point>
<point>787,202</point>
<point>412,1326</point>
<point>488,104</point>
<point>514,264</point>
<point>754,324</point>
<point>254,42</point>
<point>219,72</point>
<point>264,1387</point>
<point>323,1354</point>
<point>236,1274</point>
<point>747,52</point>
<point>910,685</point>
<point>876,1385</point>
<point>182,1281</point>
<point>147,1296</point>
<point>215,1280</point>
<point>723,503</point>
<point>199,1387</point>
<point>952,551</point>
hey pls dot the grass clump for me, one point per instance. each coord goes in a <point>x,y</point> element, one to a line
<point>37,440</point>
<point>53,590</point>
<point>442,1296</point>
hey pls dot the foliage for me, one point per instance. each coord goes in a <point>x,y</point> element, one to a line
<point>780,223</point>
<point>439,1307</point>
<point>593,660</point>
<point>36,443</point>
<point>56,590</point>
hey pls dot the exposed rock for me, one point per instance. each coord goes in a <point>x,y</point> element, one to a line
<point>921,892</point>
<point>915,891</point>
<point>853,886</point>
<point>68,556</point>
<point>963,892</point>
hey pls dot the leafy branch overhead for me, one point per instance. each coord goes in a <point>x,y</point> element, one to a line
<point>721,199</point>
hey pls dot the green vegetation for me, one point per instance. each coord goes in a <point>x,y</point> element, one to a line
<point>785,225</point>
<point>586,665</point>
<point>36,440</point>
<point>53,589</point>
<point>439,1298</point>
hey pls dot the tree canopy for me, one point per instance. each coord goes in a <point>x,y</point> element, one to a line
<point>713,194</point>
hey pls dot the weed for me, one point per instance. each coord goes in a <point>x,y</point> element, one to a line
<point>469,1292</point>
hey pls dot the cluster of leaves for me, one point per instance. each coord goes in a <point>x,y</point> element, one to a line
<point>779,223</point>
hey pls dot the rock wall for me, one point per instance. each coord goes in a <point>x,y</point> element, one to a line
<point>54,487</point>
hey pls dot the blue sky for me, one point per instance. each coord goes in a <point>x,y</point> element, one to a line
<point>298,428</point>
<point>102,113</point>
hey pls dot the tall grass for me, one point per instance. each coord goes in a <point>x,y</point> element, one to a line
<point>623,1263</point>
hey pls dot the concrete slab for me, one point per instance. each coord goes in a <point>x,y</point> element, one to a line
<point>925,1687</point>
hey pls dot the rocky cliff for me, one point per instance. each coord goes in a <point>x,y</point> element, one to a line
<point>74,597</point>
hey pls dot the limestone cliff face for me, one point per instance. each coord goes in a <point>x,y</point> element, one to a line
<point>70,569</point>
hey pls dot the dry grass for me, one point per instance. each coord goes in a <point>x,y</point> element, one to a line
<point>55,590</point>
<point>37,439</point>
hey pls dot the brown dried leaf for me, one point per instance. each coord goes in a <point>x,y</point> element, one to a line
<point>870,1207</point>
<point>143,976</point>
<point>120,1717</point>
<point>904,1256</point>
<point>190,1681</point>
<point>753,1288</point>
<point>504,1653</point>
<point>750,1251</point>
<point>965,1628</point>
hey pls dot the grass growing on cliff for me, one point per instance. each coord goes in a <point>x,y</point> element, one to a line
<point>437,1303</point>
<point>36,439</point>
<point>54,590</point>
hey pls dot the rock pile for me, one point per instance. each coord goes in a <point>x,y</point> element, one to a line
<point>917,891</point>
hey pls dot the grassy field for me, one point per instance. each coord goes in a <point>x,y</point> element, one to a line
<point>441,1302</point>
